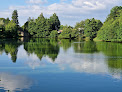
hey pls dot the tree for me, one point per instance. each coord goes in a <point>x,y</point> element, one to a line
<point>32,28</point>
<point>66,32</point>
<point>41,26</point>
<point>115,11</point>
<point>15,17</point>
<point>11,29</point>
<point>91,28</point>
<point>80,25</point>
<point>25,26</point>
<point>112,27</point>
<point>55,22</point>
<point>7,21</point>
<point>53,34</point>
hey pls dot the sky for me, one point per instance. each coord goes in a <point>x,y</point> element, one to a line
<point>68,11</point>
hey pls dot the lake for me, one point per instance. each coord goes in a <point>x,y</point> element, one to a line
<point>50,65</point>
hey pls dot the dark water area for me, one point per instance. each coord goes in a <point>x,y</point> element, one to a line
<point>50,65</point>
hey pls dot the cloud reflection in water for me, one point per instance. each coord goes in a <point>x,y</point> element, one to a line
<point>14,83</point>
<point>94,63</point>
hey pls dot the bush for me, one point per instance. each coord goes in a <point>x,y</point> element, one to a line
<point>53,34</point>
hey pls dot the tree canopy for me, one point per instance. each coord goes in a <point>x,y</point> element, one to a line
<point>15,17</point>
<point>112,28</point>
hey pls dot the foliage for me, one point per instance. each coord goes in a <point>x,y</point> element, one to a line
<point>3,22</point>
<point>112,28</point>
<point>80,25</point>
<point>69,32</point>
<point>74,33</point>
<point>15,17</point>
<point>53,34</point>
<point>42,27</point>
<point>31,27</point>
<point>25,26</point>
<point>11,29</point>
<point>91,27</point>
<point>66,33</point>
<point>54,20</point>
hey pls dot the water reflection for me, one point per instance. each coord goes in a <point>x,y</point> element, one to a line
<point>85,47</point>
<point>42,47</point>
<point>77,56</point>
<point>111,51</point>
<point>10,47</point>
<point>13,83</point>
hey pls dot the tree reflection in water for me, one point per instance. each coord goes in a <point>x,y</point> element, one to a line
<point>81,56</point>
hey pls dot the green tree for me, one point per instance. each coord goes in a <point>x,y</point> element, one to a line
<point>80,25</point>
<point>91,28</point>
<point>112,27</point>
<point>32,28</point>
<point>41,26</point>
<point>26,25</point>
<point>7,21</point>
<point>66,32</point>
<point>53,34</point>
<point>15,17</point>
<point>55,22</point>
<point>11,29</point>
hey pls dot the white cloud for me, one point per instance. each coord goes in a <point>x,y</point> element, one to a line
<point>37,1</point>
<point>72,12</point>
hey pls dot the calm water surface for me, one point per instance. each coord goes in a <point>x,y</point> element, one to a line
<point>43,65</point>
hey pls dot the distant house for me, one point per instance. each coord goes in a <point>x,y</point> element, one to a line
<point>23,33</point>
<point>60,31</point>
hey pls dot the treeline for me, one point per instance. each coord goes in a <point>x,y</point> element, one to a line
<point>110,30</point>
<point>42,27</point>
<point>88,28</point>
<point>9,28</point>
<point>112,27</point>
<point>48,27</point>
<point>51,27</point>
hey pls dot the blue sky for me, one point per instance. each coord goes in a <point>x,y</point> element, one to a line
<point>69,11</point>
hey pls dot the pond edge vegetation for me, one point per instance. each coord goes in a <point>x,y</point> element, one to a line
<point>89,29</point>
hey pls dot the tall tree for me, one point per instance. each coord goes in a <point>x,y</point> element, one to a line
<point>91,27</point>
<point>41,26</point>
<point>55,22</point>
<point>15,17</point>
<point>31,27</point>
